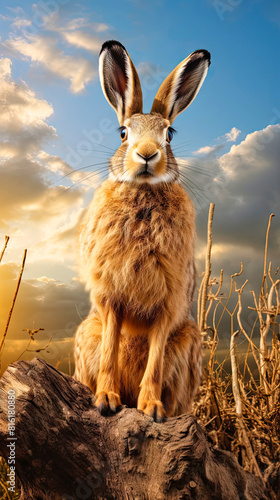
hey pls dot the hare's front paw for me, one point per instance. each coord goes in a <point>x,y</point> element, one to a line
<point>107,402</point>
<point>153,408</point>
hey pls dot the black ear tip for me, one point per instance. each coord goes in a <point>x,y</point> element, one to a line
<point>206,56</point>
<point>110,44</point>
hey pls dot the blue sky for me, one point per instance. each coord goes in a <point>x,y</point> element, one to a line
<point>53,112</point>
<point>242,86</point>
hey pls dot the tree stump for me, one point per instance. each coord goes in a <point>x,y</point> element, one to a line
<point>65,450</point>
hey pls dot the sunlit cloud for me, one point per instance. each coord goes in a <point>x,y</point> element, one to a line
<point>34,208</point>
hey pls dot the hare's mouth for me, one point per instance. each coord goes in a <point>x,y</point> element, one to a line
<point>144,172</point>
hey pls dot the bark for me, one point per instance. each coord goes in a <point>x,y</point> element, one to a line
<point>66,450</point>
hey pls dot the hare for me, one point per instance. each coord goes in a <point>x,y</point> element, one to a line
<point>139,345</point>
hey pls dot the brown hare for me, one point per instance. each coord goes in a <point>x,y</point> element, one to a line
<point>139,344</point>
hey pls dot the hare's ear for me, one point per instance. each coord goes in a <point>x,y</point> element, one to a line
<point>180,87</point>
<point>119,80</point>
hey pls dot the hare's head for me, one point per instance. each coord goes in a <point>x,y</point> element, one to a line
<point>145,155</point>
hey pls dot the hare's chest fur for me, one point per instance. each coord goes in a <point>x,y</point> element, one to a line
<point>137,245</point>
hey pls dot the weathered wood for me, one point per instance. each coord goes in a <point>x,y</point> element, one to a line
<point>66,450</point>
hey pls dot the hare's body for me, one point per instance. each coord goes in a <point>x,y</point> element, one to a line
<point>137,250</point>
<point>142,266</point>
<point>139,342</point>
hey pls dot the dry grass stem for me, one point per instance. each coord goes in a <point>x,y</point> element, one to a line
<point>13,302</point>
<point>207,274</point>
<point>4,247</point>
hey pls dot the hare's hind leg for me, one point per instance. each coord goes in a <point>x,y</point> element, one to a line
<point>182,369</point>
<point>87,351</point>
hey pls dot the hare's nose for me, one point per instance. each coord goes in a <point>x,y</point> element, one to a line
<point>147,157</point>
<point>147,150</point>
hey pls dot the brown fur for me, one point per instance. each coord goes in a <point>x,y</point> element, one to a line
<point>137,260</point>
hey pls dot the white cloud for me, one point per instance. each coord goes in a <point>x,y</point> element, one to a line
<point>100,27</point>
<point>204,150</point>
<point>232,135</point>
<point>44,50</point>
<point>54,163</point>
<point>23,124</point>
<point>21,23</point>
<point>74,24</point>
<point>16,10</point>
<point>47,51</point>
<point>5,67</point>
<point>54,22</point>
<point>20,107</point>
<point>88,179</point>
<point>229,137</point>
<point>83,40</point>
<point>247,195</point>
<point>253,156</point>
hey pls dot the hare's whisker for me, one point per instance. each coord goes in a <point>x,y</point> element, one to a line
<point>200,199</point>
<point>99,146</point>
<point>194,168</point>
<point>197,168</point>
<point>82,168</point>
<point>89,176</point>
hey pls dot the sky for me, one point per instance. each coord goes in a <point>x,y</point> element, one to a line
<point>57,132</point>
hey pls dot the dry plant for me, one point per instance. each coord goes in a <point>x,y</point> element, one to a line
<point>32,339</point>
<point>30,332</point>
<point>5,494</point>
<point>2,341</point>
<point>240,406</point>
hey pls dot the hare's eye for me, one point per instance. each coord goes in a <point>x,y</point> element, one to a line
<point>123,133</point>
<point>169,136</point>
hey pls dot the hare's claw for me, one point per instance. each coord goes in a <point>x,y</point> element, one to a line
<point>107,402</point>
<point>154,408</point>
